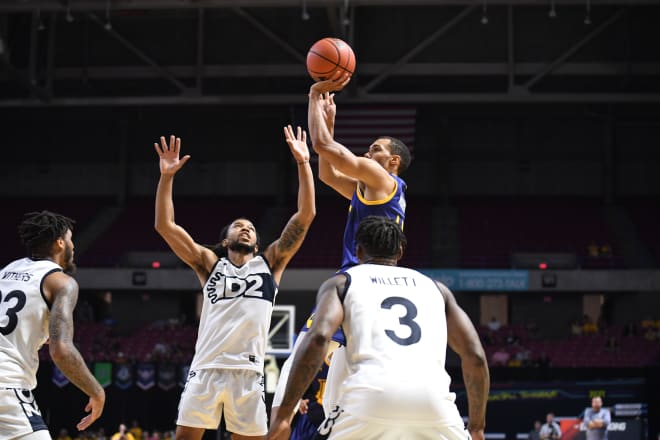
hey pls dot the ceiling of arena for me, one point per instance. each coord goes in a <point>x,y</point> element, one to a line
<point>178,52</point>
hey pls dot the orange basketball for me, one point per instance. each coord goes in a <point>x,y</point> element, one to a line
<point>328,55</point>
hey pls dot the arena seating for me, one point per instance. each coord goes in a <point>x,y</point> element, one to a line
<point>491,229</point>
<point>645,213</point>
<point>202,217</point>
<point>80,209</point>
<point>576,351</point>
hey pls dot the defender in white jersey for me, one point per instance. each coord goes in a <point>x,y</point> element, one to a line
<point>37,299</point>
<point>397,323</point>
<point>239,289</point>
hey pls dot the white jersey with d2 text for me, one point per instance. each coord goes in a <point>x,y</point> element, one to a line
<point>23,320</point>
<point>235,320</point>
<point>396,342</point>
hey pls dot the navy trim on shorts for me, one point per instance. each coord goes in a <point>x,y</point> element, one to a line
<point>36,420</point>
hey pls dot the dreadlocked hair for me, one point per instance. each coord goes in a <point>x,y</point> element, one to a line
<point>380,237</point>
<point>39,230</point>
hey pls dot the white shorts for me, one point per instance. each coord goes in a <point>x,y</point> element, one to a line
<point>237,393</point>
<point>341,425</point>
<point>19,414</point>
<point>337,374</point>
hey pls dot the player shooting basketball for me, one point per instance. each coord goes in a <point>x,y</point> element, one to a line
<point>373,186</point>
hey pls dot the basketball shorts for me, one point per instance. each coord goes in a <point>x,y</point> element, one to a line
<point>239,394</point>
<point>19,414</point>
<point>341,425</point>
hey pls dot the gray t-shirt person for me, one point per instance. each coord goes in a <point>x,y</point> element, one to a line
<point>597,433</point>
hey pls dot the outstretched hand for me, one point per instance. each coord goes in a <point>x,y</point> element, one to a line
<point>337,82</point>
<point>297,143</point>
<point>170,162</point>
<point>94,408</point>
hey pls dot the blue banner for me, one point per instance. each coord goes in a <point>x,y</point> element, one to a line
<point>146,375</point>
<point>481,280</point>
<point>59,378</point>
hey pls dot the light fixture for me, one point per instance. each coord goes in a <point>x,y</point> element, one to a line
<point>305,14</point>
<point>345,20</point>
<point>484,13</point>
<point>41,26</point>
<point>108,24</point>
<point>587,18</point>
<point>69,16</point>
<point>552,13</point>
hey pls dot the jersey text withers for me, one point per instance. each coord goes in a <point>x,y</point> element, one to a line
<point>16,276</point>
<point>24,317</point>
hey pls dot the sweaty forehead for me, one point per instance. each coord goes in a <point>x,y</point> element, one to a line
<point>383,143</point>
<point>242,222</point>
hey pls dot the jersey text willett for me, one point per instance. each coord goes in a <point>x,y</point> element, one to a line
<point>394,281</point>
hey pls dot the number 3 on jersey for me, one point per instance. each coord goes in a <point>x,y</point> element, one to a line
<point>406,320</point>
<point>9,309</point>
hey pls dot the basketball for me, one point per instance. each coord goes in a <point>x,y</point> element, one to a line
<point>329,55</point>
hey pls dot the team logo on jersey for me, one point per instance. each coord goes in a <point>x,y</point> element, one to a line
<point>221,287</point>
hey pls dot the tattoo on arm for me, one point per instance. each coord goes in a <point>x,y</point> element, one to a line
<point>60,323</point>
<point>64,353</point>
<point>291,236</point>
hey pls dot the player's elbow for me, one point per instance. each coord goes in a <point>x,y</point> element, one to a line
<point>59,351</point>
<point>475,357</point>
<point>307,216</point>
<point>159,224</point>
<point>319,337</point>
<point>322,145</point>
<point>162,226</point>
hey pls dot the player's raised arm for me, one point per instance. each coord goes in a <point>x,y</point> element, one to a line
<point>280,252</point>
<point>62,290</point>
<point>341,158</point>
<point>464,340</point>
<point>328,174</point>
<point>199,258</point>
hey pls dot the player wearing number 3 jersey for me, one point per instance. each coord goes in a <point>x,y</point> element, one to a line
<point>37,299</point>
<point>239,285</point>
<point>398,324</point>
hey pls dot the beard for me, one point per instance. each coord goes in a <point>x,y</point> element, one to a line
<point>69,265</point>
<point>241,248</point>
